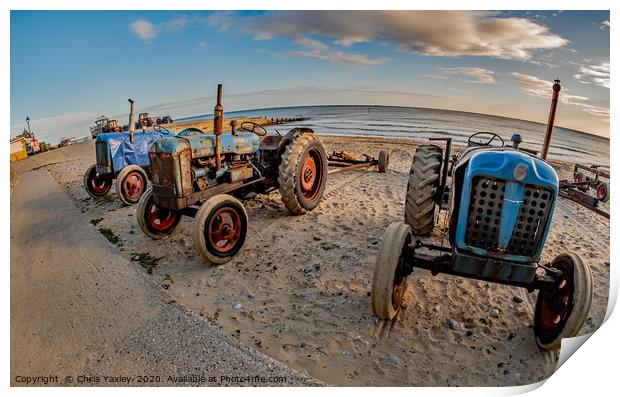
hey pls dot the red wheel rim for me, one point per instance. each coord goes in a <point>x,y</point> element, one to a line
<point>133,185</point>
<point>399,284</point>
<point>224,230</point>
<point>98,184</point>
<point>601,191</point>
<point>160,219</point>
<point>398,291</point>
<point>577,179</point>
<point>555,304</point>
<point>311,173</point>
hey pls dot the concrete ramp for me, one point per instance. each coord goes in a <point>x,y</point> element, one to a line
<point>80,308</point>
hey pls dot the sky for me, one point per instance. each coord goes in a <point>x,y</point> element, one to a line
<point>67,67</point>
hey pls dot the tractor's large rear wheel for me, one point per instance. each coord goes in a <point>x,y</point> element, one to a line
<point>131,183</point>
<point>390,279</point>
<point>302,172</point>
<point>422,188</point>
<point>562,309</point>
<point>220,228</point>
<point>95,184</point>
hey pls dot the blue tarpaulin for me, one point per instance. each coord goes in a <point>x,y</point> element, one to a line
<point>124,153</point>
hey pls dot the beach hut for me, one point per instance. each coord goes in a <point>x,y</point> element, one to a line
<point>18,149</point>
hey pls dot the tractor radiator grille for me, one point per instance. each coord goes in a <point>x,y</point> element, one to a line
<point>532,221</point>
<point>485,212</point>
<point>162,169</point>
<point>101,152</point>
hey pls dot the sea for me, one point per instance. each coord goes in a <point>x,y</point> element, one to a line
<point>423,123</point>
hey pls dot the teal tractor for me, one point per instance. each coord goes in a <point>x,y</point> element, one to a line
<point>122,157</point>
<point>500,201</point>
<point>202,176</point>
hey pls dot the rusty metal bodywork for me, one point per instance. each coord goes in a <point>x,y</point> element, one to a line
<point>184,166</point>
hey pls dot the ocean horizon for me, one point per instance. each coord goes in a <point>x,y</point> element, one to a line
<point>423,123</point>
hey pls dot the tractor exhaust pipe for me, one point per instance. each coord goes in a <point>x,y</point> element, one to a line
<point>218,121</point>
<point>131,120</point>
<point>554,105</point>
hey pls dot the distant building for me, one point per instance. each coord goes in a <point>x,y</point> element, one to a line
<point>18,149</point>
<point>32,144</point>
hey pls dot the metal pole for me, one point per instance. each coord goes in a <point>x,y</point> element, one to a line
<point>554,105</point>
<point>218,120</point>
<point>131,120</point>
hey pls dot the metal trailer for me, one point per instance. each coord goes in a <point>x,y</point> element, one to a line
<point>345,161</point>
<point>591,178</point>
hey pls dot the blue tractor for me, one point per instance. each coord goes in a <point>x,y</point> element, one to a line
<point>500,200</point>
<point>202,175</point>
<point>124,157</point>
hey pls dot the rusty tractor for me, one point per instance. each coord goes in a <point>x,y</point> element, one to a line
<point>500,202</point>
<point>202,176</point>
<point>144,121</point>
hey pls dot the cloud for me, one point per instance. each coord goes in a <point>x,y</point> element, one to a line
<point>475,75</point>
<point>320,51</point>
<point>604,25</point>
<point>542,88</point>
<point>598,74</point>
<point>146,31</point>
<point>440,33</point>
<point>174,25</point>
<point>143,29</point>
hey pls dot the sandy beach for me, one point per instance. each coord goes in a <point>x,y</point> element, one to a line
<point>299,290</point>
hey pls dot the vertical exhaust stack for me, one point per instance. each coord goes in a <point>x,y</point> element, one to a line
<point>131,120</point>
<point>554,105</point>
<point>218,121</point>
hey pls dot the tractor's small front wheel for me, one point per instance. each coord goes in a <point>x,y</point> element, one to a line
<point>602,191</point>
<point>220,228</point>
<point>96,184</point>
<point>562,309</point>
<point>384,161</point>
<point>390,279</point>
<point>131,183</point>
<point>155,221</point>
<point>302,172</point>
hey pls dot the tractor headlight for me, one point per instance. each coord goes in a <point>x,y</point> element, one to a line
<point>520,172</point>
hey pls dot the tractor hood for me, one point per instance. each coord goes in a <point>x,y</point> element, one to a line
<point>506,204</point>
<point>501,163</point>
<point>203,145</point>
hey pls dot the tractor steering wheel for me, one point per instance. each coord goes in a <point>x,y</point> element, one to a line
<point>256,128</point>
<point>483,139</point>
